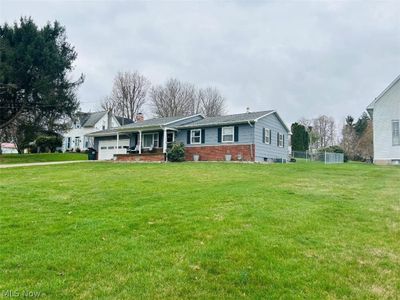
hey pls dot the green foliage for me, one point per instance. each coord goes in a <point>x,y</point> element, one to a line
<point>201,231</point>
<point>300,137</point>
<point>361,125</point>
<point>335,149</point>
<point>46,142</point>
<point>176,153</point>
<point>34,72</point>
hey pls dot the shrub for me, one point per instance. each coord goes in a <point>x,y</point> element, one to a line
<point>78,150</point>
<point>176,153</point>
<point>336,149</point>
<point>48,142</point>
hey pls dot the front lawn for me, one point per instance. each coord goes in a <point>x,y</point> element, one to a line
<point>201,230</point>
<point>40,157</point>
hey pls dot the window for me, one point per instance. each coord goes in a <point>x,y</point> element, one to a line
<point>111,147</point>
<point>103,148</point>
<point>170,137</point>
<point>227,134</point>
<point>267,136</point>
<point>77,141</point>
<point>396,132</point>
<point>195,136</point>
<point>150,140</point>
<point>68,142</point>
<point>280,140</point>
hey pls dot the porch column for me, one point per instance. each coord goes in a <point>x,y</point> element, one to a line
<point>165,141</point>
<point>117,142</point>
<point>140,141</point>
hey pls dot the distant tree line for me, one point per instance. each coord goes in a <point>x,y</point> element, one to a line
<point>132,91</point>
<point>356,139</point>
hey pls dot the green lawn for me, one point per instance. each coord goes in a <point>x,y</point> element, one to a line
<point>40,157</point>
<point>201,230</point>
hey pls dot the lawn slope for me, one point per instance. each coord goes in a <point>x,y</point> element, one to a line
<point>40,157</point>
<point>201,230</point>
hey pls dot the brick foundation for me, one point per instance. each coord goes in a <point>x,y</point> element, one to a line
<point>217,153</point>
<point>149,157</point>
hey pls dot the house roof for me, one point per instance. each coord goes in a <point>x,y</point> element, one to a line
<point>89,119</point>
<point>371,107</point>
<point>124,121</point>
<point>156,122</point>
<point>229,119</point>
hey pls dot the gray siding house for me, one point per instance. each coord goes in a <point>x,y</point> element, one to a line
<point>252,136</point>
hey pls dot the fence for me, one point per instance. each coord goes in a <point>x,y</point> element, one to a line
<point>315,156</point>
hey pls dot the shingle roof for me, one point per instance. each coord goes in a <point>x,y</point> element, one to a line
<point>90,119</point>
<point>123,121</point>
<point>153,122</point>
<point>229,119</point>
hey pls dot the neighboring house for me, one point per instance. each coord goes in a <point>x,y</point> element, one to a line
<point>385,114</point>
<point>8,148</point>
<point>252,136</point>
<point>86,123</point>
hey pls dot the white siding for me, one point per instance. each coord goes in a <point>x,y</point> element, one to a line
<point>386,110</point>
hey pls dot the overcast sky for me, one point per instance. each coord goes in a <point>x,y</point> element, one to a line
<point>302,58</point>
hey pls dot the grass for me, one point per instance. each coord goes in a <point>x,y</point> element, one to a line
<point>201,230</point>
<point>40,157</point>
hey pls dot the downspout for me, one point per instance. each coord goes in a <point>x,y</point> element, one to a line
<point>251,146</point>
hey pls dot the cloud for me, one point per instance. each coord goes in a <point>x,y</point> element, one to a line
<point>301,58</point>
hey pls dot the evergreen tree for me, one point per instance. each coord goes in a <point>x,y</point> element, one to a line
<point>300,137</point>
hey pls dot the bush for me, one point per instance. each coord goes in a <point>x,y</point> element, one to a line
<point>176,153</point>
<point>336,149</point>
<point>48,142</point>
<point>78,150</point>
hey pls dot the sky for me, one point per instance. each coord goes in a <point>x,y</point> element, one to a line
<point>301,58</point>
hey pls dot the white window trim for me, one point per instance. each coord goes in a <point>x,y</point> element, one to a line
<point>398,133</point>
<point>280,141</point>
<point>269,136</point>
<point>233,134</point>
<point>152,140</point>
<point>192,136</point>
<point>173,137</point>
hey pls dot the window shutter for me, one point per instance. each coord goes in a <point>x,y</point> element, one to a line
<point>203,136</point>
<point>277,139</point>
<point>270,136</point>
<point>188,137</point>
<point>263,135</point>
<point>283,140</point>
<point>219,135</point>
<point>236,133</point>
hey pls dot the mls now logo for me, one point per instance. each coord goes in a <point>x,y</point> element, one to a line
<point>23,293</point>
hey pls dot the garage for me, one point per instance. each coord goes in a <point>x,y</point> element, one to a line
<point>108,148</point>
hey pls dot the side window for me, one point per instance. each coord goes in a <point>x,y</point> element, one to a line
<point>396,132</point>
<point>267,136</point>
<point>195,136</point>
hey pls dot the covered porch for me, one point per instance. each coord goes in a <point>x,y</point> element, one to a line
<point>141,144</point>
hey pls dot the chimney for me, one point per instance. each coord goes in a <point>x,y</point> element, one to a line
<point>247,109</point>
<point>139,117</point>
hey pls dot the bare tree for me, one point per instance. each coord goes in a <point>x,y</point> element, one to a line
<point>210,102</point>
<point>324,127</point>
<point>175,98</point>
<point>128,94</point>
<point>365,147</point>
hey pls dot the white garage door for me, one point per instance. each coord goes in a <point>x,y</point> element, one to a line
<point>107,149</point>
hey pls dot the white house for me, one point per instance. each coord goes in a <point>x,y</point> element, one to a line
<point>385,114</point>
<point>86,123</point>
